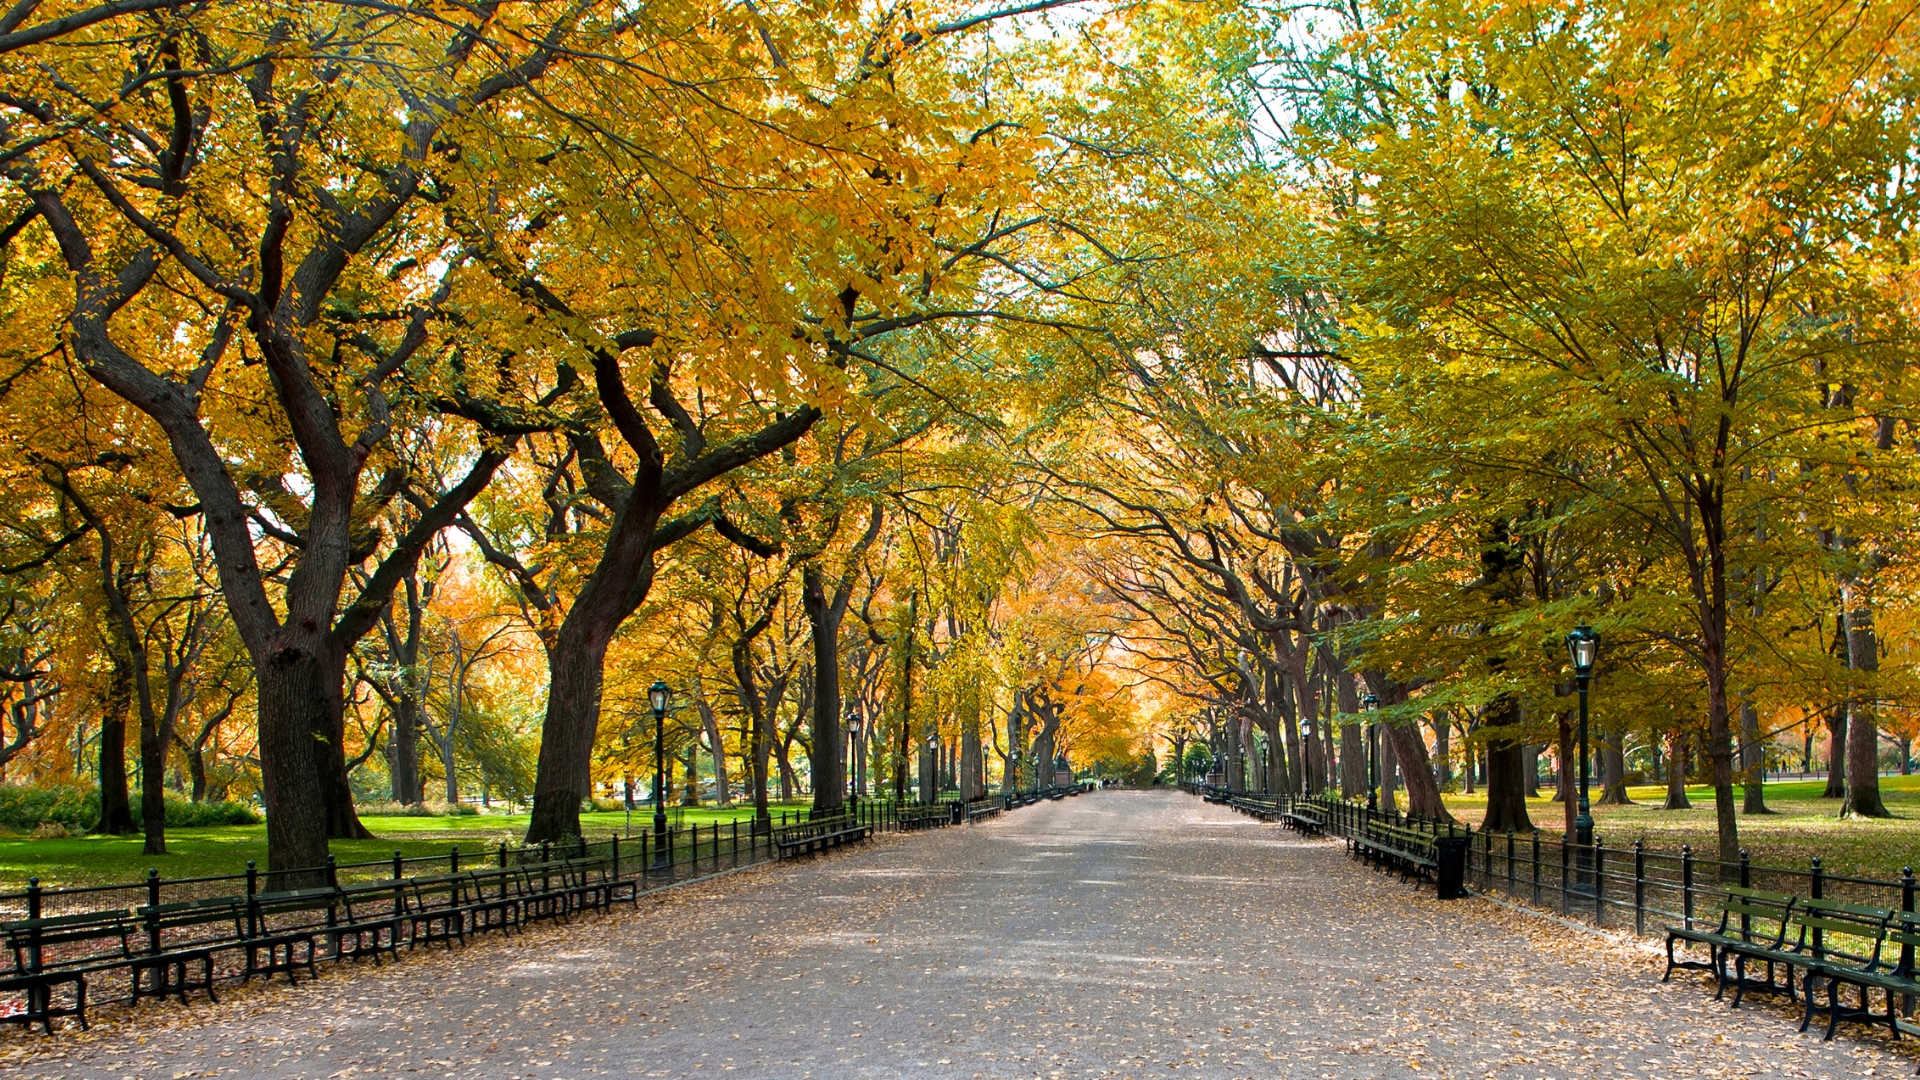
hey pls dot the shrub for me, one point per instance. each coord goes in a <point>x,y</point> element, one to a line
<point>605,806</point>
<point>182,814</point>
<point>74,807</point>
<point>389,808</point>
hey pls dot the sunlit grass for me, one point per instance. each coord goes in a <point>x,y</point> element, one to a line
<point>92,860</point>
<point>1803,825</point>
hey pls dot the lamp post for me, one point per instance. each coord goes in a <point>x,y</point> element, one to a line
<point>853,760</point>
<point>1583,647</point>
<point>657,697</point>
<point>1371,705</point>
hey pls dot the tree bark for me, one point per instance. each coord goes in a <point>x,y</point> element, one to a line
<point>116,813</point>
<point>1613,770</point>
<point>1678,754</point>
<point>1753,760</point>
<point>1506,764</point>
<point>1836,753</point>
<point>1862,794</point>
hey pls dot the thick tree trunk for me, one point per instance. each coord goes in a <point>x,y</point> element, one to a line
<point>153,792</point>
<point>1862,798</point>
<point>1836,753</point>
<point>1753,760</point>
<point>403,750</point>
<point>575,669</point>
<point>1416,772</point>
<point>116,814</point>
<point>827,761</point>
<point>973,765</point>
<point>197,774</point>
<point>1506,765</point>
<point>1678,754</point>
<point>1389,767</point>
<point>1613,770</point>
<point>1531,768</point>
<point>296,689</point>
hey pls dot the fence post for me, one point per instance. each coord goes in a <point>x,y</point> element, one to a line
<point>1599,883</point>
<point>333,874</point>
<point>615,841</point>
<point>503,854</point>
<point>1816,885</point>
<point>1486,858</point>
<point>153,917</point>
<point>253,887</point>
<point>1639,888</point>
<point>1686,885</point>
<point>33,912</point>
<point>1566,899</point>
<point>736,843</point>
<point>1907,891</point>
<point>1536,868</point>
<point>1509,862</point>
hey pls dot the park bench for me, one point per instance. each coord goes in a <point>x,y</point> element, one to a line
<point>982,810</point>
<point>813,836</point>
<point>374,912</point>
<point>1261,807</point>
<point>1411,851</point>
<point>922,817</point>
<point>1762,921</point>
<point>62,950</point>
<point>1304,819</point>
<point>208,925</point>
<point>302,915</point>
<point>588,882</point>
<point>447,907</point>
<point>1867,967</point>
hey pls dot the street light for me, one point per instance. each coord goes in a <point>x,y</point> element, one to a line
<point>1372,706</point>
<point>657,697</point>
<point>853,758</point>
<point>1583,647</point>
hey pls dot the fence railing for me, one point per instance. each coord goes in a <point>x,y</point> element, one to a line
<point>1635,888</point>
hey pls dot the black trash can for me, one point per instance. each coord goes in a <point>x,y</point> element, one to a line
<point>1450,855</point>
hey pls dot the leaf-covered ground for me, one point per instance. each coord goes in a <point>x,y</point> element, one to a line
<point>1114,935</point>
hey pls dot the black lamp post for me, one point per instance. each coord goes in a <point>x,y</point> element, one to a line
<point>853,759</point>
<point>1583,647</point>
<point>1371,705</point>
<point>657,697</point>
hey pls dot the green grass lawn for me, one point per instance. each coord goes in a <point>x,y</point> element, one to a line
<point>93,860</point>
<point>1803,825</point>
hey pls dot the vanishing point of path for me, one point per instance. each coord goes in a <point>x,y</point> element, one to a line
<point>1118,934</point>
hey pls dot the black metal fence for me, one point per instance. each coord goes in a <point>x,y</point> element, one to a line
<point>1635,888</point>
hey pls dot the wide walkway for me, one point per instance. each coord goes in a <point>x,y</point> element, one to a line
<point>1118,934</point>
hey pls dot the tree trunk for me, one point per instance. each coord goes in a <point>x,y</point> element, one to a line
<point>1416,773</point>
<point>296,689</point>
<point>1862,798</point>
<point>576,669</point>
<point>116,814</point>
<point>1442,750</point>
<point>1678,754</point>
<point>827,762</point>
<point>973,765</point>
<point>1531,768</point>
<point>403,750</point>
<point>1836,753</point>
<point>1753,760</point>
<point>1389,766</point>
<point>1506,765</point>
<point>1613,770</point>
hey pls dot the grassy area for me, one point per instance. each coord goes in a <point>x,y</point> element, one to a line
<point>1802,826</point>
<point>92,860</point>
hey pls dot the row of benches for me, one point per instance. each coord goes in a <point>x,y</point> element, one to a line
<point>172,948</point>
<point>1835,945</point>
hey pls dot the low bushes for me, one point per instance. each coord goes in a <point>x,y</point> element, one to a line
<point>68,809</point>
<point>423,809</point>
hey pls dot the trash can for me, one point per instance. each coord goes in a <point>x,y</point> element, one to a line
<point>957,813</point>
<point>1450,857</point>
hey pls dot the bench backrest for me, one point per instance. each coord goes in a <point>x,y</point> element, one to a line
<point>189,914</point>
<point>1755,914</point>
<point>1842,931</point>
<point>1903,936</point>
<point>79,938</point>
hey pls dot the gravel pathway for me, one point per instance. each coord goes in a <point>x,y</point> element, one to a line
<point>1119,934</point>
